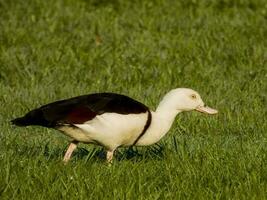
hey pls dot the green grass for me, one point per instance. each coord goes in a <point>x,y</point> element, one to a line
<point>56,49</point>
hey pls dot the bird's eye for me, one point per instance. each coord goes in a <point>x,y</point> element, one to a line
<point>193,96</point>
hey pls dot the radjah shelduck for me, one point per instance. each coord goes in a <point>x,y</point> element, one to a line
<point>113,120</point>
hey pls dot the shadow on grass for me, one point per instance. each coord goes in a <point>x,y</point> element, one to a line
<point>130,153</point>
<point>94,153</point>
<point>115,4</point>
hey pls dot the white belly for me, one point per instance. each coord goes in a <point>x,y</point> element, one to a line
<point>109,129</point>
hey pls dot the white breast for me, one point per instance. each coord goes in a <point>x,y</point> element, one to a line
<point>158,128</point>
<point>110,129</point>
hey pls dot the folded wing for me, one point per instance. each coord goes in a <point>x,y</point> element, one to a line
<point>80,109</point>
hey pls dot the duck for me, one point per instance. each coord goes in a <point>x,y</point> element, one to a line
<point>113,120</point>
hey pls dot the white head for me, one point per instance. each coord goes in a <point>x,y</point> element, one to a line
<point>184,99</point>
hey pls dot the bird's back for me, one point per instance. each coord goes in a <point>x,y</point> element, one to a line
<point>80,109</point>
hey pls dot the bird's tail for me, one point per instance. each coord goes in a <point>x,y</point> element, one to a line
<point>34,117</point>
<point>21,121</point>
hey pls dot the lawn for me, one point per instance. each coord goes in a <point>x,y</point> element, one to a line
<point>56,49</point>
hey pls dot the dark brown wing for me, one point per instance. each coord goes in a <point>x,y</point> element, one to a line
<point>79,109</point>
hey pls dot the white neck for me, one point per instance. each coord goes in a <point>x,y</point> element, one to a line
<point>161,123</point>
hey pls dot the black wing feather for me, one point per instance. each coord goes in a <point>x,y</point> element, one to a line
<point>80,109</point>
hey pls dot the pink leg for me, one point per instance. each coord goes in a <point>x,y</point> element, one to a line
<point>71,148</point>
<point>110,156</point>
